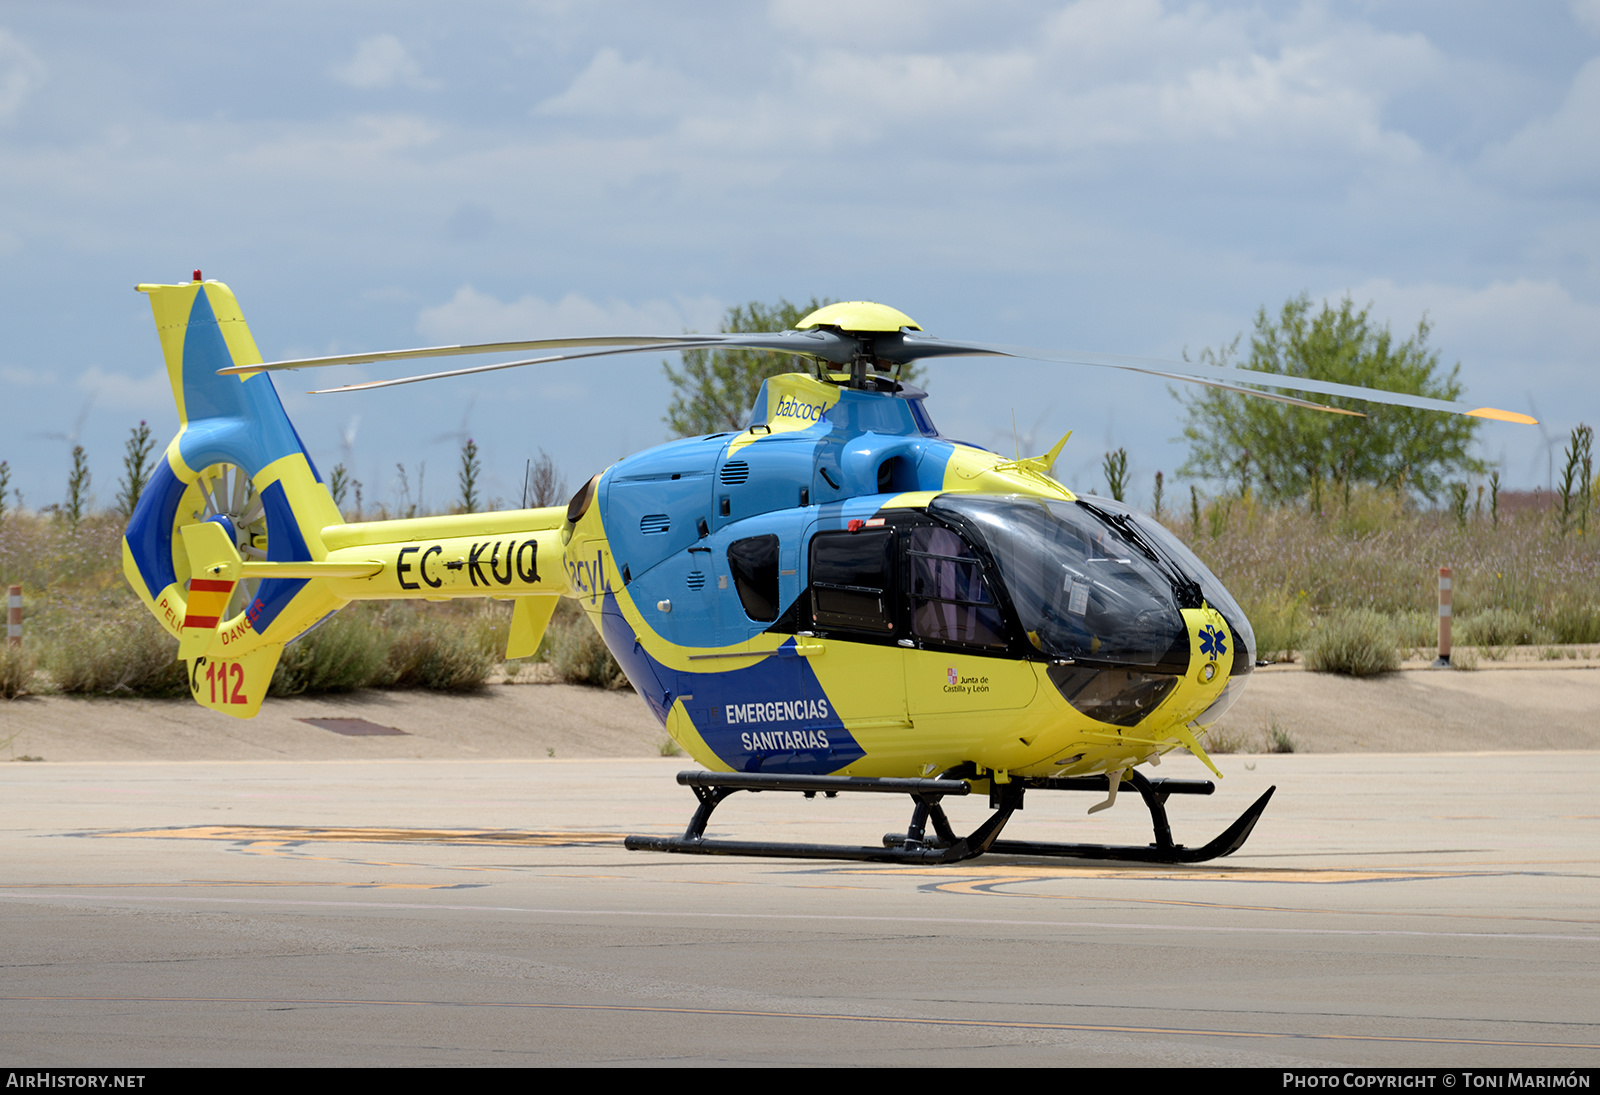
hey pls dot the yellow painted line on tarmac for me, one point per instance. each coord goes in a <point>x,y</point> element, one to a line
<point>280,835</point>
<point>1136,872</point>
<point>212,883</point>
<point>833,1017</point>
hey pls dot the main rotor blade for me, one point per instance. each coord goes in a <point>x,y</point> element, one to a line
<point>371,384</point>
<point>824,345</point>
<point>1257,392</point>
<point>458,351</point>
<point>819,343</point>
<point>916,347</point>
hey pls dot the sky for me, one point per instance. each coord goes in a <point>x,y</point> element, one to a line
<point>1121,176</point>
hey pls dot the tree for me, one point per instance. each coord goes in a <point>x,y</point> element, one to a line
<point>1115,465</point>
<point>471,470</point>
<point>78,486</point>
<point>542,482</point>
<point>136,468</point>
<point>338,484</point>
<point>1294,451</point>
<point>1575,485</point>
<point>715,389</point>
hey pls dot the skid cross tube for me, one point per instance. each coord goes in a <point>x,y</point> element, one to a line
<point>944,846</point>
<point>712,787</point>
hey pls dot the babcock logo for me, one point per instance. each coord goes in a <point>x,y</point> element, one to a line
<point>789,407</point>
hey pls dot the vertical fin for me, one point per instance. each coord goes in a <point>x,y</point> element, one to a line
<point>529,618</point>
<point>234,686</point>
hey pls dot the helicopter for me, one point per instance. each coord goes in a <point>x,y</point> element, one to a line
<point>835,599</point>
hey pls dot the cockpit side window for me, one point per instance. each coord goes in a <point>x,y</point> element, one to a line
<point>753,562</point>
<point>852,580</point>
<point>950,600</point>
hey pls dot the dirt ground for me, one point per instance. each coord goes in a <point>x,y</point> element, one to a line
<point>1520,703</point>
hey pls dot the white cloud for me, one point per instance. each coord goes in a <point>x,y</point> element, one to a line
<point>26,378</point>
<point>1587,12</point>
<point>379,62</point>
<point>1096,74</point>
<point>612,87</point>
<point>471,316</point>
<point>1560,149</point>
<point>1506,325</point>
<point>833,20</point>
<point>126,393</point>
<point>314,151</point>
<point>20,73</point>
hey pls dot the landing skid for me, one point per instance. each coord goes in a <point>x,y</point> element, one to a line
<point>916,845</point>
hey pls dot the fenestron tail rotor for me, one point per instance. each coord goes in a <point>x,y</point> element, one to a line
<point>860,344</point>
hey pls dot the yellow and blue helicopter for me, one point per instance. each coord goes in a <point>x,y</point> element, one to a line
<point>835,599</point>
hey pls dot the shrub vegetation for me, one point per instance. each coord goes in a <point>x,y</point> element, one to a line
<point>87,634</point>
<point>1357,641</point>
<point>1517,580</point>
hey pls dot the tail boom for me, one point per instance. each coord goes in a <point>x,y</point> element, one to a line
<point>238,502</point>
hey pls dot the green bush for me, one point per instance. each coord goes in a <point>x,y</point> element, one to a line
<point>1279,740</point>
<point>124,654</point>
<point>1417,627</point>
<point>343,653</point>
<point>1281,623</point>
<point>447,652</point>
<point>1498,627</point>
<point>16,670</point>
<point>578,654</point>
<point>1574,622</point>
<point>1359,642</point>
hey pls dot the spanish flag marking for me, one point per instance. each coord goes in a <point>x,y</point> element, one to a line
<point>208,598</point>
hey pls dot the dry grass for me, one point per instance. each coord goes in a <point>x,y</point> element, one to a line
<point>1279,740</point>
<point>1515,583</point>
<point>576,652</point>
<point>88,634</point>
<point>1229,739</point>
<point>16,670</point>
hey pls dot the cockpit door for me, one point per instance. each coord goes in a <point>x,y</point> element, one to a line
<point>962,661</point>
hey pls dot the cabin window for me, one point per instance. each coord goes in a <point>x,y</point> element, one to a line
<point>850,579</point>
<point>753,562</point>
<point>950,600</point>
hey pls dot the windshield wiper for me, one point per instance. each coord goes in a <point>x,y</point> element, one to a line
<point>1184,587</point>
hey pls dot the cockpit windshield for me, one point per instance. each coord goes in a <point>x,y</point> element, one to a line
<point>1215,593</point>
<point>1085,587</point>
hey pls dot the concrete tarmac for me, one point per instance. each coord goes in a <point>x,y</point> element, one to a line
<point>1423,910</point>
